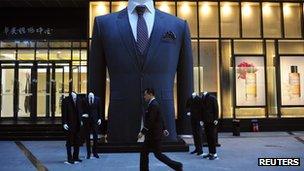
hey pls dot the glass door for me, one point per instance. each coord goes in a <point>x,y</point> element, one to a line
<point>61,85</point>
<point>7,90</point>
<point>43,90</point>
<point>25,90</point>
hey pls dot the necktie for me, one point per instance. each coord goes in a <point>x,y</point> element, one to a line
<point>91,100</point>
<point>142,30</point>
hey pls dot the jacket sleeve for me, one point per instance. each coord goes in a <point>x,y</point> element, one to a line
<point>215,109</point>
<point>188,103</point>
<point>184,74</point>
<point>149,120</point>
<point>64,112</point>
<point>97,65</point>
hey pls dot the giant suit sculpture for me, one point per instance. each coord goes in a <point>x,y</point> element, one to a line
<point>169,52</point>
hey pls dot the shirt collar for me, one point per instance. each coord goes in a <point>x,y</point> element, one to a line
<point>151,100</point>
<point>133,4</point>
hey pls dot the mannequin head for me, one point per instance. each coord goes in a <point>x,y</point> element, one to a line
<point>91,95</point>
<point>194,94</point>
<point>204,93</point>
<point>73,94</point>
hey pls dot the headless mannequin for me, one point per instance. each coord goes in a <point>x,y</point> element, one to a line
<point>194,94</point>
<point>74,96</point>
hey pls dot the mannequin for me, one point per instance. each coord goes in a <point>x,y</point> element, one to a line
<point>71,121</point>
<point>151,60</point>
<point>92,122</point>
<point>194,111</point>
<point>210,119</point>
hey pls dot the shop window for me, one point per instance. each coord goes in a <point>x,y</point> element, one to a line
<point>76,54</point>
<point>60,44</point>
<point>59,54</point>
<point>7,92</point>
<point>271,20</point>
<point>292,20</point>
<point>97,9</point>
<point>26,44</point>
<point>209,19</point>
<point>251,24</point>
<point>42,44</point>
<point>195,65</point>
<point>226,79</point>
<point>248,47</point>
<point>7,54</point>
<point>271,79</point>
<point>291,47</point>
<point>230,25</point>
<point>84,54</point>
<point>83,77</point>
<point>25,54</point>
<point>7,44</point>
<point>41,54</point>
<point>166,6</point>
<point>187,11</point>
<point>118,6</point>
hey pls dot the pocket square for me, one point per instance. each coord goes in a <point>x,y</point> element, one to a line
<point>169,35</point>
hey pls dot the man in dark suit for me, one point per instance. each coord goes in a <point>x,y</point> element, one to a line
<point>136,63</point>
<point>71,121</point>
<point>153,130</point>
<point>210,118</point>
<point>92,121</point>
<point>195,111</point>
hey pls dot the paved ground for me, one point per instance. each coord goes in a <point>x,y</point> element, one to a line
<point>236,154</point>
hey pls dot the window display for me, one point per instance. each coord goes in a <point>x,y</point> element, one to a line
<point>250,81</point>
<point>292,70</point>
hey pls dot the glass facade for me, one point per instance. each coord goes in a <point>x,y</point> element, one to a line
<point>36,74</point>
<point>246,44</point>
<point>249,53</point>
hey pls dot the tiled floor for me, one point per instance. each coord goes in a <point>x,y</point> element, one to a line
<point>236,154</point>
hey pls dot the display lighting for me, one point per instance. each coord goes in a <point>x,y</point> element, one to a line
<point>266,9</point>
<point>185,8</point>
<point>206,9</point>
<point>227,9</point>
<point>246,9</point>
<point>164,7</point>
<point>287,10</point>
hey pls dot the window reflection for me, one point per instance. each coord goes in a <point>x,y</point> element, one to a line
<point>251,19</point>
<point>292,20</point>
<point>208,16</point>
<point>230,19</point>
<point>271,19</point>
<point>187,11</point>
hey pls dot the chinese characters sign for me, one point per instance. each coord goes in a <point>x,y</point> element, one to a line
<point>21,31</point>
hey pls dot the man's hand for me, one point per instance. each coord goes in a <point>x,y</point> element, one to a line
<point>166,133</point>
<point>215,122</point>
<point>85,115</point>
<point>140,135</point>
<point>66,127</point>
<point>81,123</point>
<point>99,122</point>
<point>188,113</point>
<point>201,123</point>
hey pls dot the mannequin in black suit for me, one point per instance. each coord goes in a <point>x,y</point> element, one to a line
<point>194,110</point>
<point>210,119</point>
<point>154,128</point>
<point>71,121</point>
<point>92,121</point>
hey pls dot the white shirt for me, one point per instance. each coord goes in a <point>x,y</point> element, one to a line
<point>149,16</point>
<point>151,100</point>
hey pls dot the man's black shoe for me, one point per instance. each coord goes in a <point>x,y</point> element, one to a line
<point>199,153</point>
<point>96,155</point>
<point>70,162</point>
<point>213,157</point>
<point>77,160</point>
<point>204,155</point>
<point>193,152</point>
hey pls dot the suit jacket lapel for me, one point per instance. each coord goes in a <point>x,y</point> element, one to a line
<point>155,37</point>
<point>127,36</point>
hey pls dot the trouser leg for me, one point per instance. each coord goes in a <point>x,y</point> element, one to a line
<point>144,158</point>
<point>163,158</point>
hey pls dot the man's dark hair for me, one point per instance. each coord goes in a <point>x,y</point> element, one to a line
<point>150,91</point>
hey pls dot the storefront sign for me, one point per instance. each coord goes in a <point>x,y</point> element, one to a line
<point>12,31</point>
